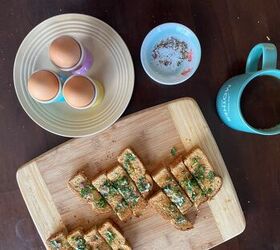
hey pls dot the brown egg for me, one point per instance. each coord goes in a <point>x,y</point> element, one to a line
<point>79,91</point>
<point>43,85</point>
<point>65,52</point>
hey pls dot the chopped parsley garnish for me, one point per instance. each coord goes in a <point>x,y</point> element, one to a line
<point>199,172</point>
<point>128,158</point>
<point>120,182</point>
<point>193,196</point>
<point>143,185</point>
<point>86,190</point>
<point>175,195</point>
<point>195,160</point>
<point>108,189</point>
<point>207,191</point>
<point>81,243</point>
<point>190,185</point>
<point>173,151</point>
<point>120,206</point>
<point>211,175</point>
<point>180,219</point>
<point>126,191</point>
<point>101,203</point>
<point>110,236</point>
<point>55,244</point>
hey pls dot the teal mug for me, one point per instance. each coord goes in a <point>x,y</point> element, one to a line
<point>229,96</point>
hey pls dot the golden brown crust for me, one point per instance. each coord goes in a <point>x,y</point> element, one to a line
<point>58,241</point>
<point>137,171</point>
<point>76,238</point>
<point>113,236</point>
<point>127,189</point>
<point>80,181</point>
<point>200,167</point>
<point>95,240</point>
<point>113,197</point>
<point>164,207</point>
<point>172,189</point>
<point>187,182</point>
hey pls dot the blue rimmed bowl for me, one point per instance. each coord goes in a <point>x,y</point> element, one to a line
<point>170,53</point>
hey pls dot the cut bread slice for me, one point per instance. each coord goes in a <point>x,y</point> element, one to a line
<point>137,172</point>
<point>81,185</point>
<point>164,207</point>
<point>127,189</point>
<point>187,182</point>
<point>76,239</point>
<point>201,169</point>
<point>173,190</point>
<point>58,241</point>
<point>113,236</point>
<point>94,239</point>
<point>113,197</point>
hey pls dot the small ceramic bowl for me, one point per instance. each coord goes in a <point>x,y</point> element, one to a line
<point>170,53</point>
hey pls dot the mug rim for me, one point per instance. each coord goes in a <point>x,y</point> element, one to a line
<point>251,76</point>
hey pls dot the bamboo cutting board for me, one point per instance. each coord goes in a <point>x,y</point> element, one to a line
<point>151,133</point>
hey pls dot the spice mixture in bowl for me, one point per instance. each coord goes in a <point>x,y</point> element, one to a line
<point>170,53</point>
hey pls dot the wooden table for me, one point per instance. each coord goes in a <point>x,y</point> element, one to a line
<point>227,30</point>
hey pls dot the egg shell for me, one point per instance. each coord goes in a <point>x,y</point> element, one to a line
<point>43,85</point>
<point>79,91</point>
<point>65,52</point>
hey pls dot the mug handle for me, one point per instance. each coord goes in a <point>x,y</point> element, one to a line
<point>267,51</point>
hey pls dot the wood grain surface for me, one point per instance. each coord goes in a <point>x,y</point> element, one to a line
<point>151,133</point>
<point>227,30</point>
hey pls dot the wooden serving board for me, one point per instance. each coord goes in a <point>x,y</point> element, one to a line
<point>151,133</point>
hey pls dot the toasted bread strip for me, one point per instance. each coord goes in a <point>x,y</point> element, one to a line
<point>162,204</point>
<point>172,189</point>
<point>94,239</point>
<point>112,196</point>
<point>84,189</point>
<point>58,241</point>
<point>127,189</point>
<point>137,172</point>
<point>113,236</point>
<point>201,169</point>
<point>187,182</point>
<point>76,239</point>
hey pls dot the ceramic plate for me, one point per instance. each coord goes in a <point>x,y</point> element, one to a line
<point>112,65</point>
<point>170,53</point>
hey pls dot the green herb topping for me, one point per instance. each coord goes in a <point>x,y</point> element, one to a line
<point>128,158</point>
<point>81,243</point>
<point>190,185</point>
<point>173,151</point>
<point>143,185</point>
<point>110,236</point>
<point>108,189</point>
<point>121,206</point>
<point>207,191</point>
<point>122,184</point>
<point>175,195</point>
<point>55,244</point>
<point>211,175</point>
<point>199,171</point>
<point>101,203</point>
<point>180,219</point>
<point>86,190</point>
